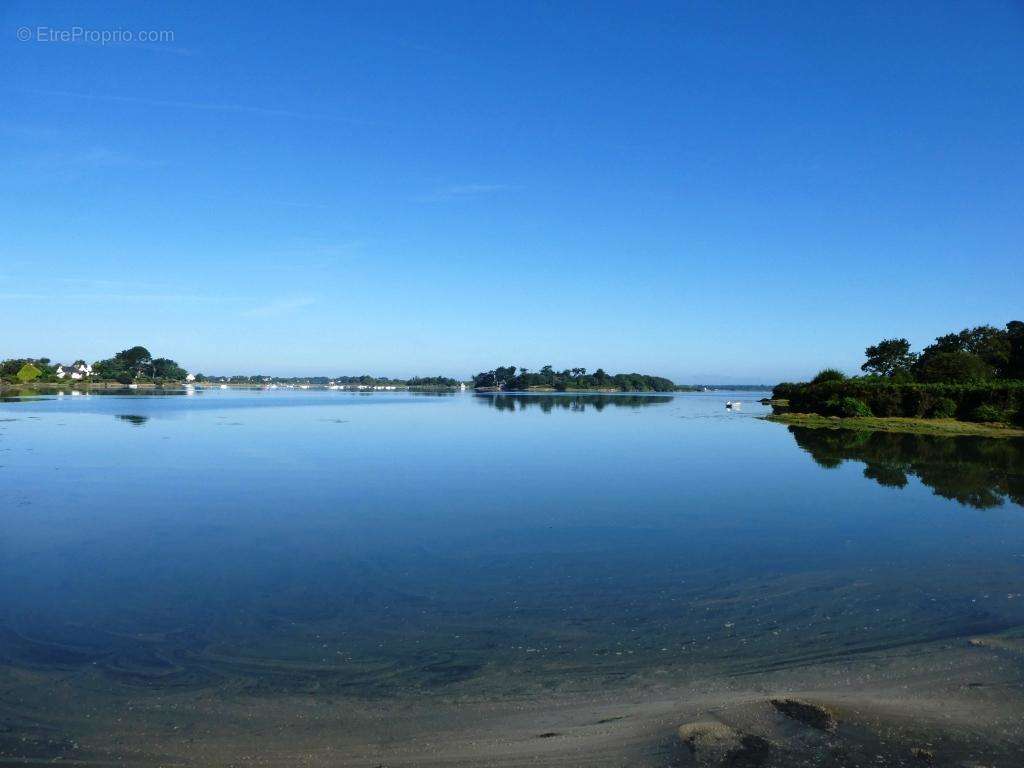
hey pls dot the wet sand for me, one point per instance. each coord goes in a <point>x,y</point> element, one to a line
<point>954,703</point>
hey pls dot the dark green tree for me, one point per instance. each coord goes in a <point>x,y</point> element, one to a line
<point>1015,361</point>
<point>889,357</point>
<point>953,367</point>
<point>989,344</point>
<point>163,368</point>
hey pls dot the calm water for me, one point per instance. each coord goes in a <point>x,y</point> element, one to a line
<point>379,544</point>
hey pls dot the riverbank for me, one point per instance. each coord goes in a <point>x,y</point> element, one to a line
<point>938,427</point>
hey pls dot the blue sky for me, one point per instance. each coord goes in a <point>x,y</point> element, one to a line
<point>730,191</point>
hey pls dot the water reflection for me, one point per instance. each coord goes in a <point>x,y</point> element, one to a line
<point>575,402</point>
<point>133,418</point>
<point>974,471</point>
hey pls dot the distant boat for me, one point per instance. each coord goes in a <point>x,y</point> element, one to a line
<point>733,404</point>
<point>133,386</point>
<point>223,386</point>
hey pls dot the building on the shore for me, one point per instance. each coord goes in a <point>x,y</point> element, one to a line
<point>190,377</point>
<point>76,371</point>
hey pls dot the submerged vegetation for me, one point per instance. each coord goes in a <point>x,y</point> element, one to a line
<point>511,378</point>
<point>976,375</point>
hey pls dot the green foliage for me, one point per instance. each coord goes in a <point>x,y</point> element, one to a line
<point>889,358</point>
<point>432,381</point>
<point>956,366</point>
<point>27,373</point>
<point>912,400</point>
<point>944,408</point>
<point>513,378</point>
<point>168,369</point>
<point>973,354</point>
<point>988,413</point>
<point>828,374</point>
<point>9,369</point>
<point>135,363</point>
<point>846,407</point>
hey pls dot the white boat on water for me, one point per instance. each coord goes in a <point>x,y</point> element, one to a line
<point>133,386</point>
<point>732,405</point>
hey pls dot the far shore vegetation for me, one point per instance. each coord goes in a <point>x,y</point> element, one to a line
<point>970,382</point>
<point>507,378</point>
<point>137,367</point>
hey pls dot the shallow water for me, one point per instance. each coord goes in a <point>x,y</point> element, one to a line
<point>375,545</point>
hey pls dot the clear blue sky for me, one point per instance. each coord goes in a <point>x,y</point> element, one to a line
<point>730,191</point>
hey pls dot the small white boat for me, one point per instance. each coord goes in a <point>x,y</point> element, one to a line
<point>133,386</point>
<point>732,404</point>
<point>223,386</point>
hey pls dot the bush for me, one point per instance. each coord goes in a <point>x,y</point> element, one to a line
<point>944,408</point>
<point>828,374</point>
<point>885,398</point>
<point>847,406</point>
<point>988,413</point>
<point>28,372</point>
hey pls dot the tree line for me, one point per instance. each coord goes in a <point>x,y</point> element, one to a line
<point>511,377</point>
<point>127,366</point>
<point>973,354</point>
<point>976,374</point>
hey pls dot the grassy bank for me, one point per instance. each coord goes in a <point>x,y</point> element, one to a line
<point>939,427</point>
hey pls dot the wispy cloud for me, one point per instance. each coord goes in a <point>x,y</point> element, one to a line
<point>69,164</point>
<point>95,297</point>
<point>86,290</point>
<point>280,306</point>
<point>201,106</point>
<point>462,192</point>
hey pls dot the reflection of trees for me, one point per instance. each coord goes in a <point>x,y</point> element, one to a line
<point>975,471</point>
<point>132,418</point>
<point>578,402</point>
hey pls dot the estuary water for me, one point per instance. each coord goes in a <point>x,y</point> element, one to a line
<point>378,545</point>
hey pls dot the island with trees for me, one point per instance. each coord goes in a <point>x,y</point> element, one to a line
<point>969,382</point>
<point>509,378</point>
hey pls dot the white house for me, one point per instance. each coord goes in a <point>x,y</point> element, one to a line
<point>190,377</point>
<point>74,371</point>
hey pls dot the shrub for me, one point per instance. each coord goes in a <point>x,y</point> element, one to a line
<point>944,408</point>
<point>828,374</point>
<point>988,413</point>
<point>28,372</point>
<point>847,406</point>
